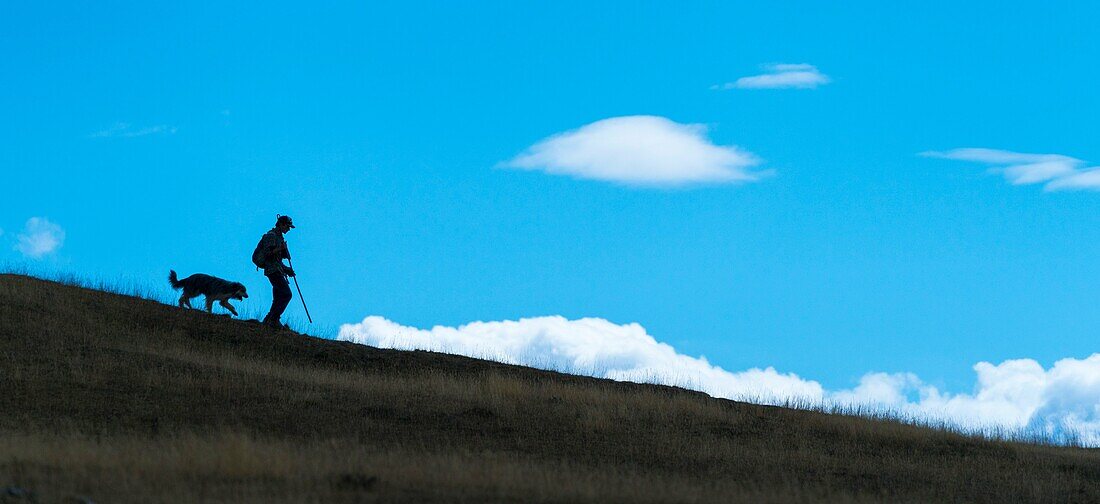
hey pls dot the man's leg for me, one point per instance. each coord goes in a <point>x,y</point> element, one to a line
<point>280,298</point>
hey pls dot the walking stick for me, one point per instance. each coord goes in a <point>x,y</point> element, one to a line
<point>302,299</point>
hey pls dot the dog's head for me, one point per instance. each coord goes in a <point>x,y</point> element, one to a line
<point>241,292</point>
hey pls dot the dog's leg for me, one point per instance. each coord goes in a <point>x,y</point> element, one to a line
<point>184,302</point>
<point>225,303</point>
<point>209,305</point>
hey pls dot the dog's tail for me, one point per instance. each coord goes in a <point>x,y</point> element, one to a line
<point>173,280</point>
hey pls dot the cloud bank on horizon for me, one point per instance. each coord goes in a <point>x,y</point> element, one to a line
<point>1055,171</point>
<point>39,238</point>
<point>639,151</point>
<point>780,76</point>
<point>1061,402</point>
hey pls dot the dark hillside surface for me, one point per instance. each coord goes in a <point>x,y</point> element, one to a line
<point>119,399</point>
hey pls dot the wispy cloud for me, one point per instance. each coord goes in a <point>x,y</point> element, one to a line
<point>780,76</point>
<point>639,150</point>
<point>126,130</point>
<point>39,238</point>
<point>1015,394</point>
<point>1057,171</point>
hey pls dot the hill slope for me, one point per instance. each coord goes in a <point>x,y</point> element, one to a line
<point>119,399</point>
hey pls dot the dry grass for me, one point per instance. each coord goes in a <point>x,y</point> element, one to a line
<point>231,467</point>
<point>126,400</point>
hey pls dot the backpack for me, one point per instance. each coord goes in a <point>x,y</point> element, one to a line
<point>259,257</point>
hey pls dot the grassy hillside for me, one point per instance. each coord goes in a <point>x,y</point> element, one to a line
<point>118,399</point>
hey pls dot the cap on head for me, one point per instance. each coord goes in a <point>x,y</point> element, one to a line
<point>285,219</point>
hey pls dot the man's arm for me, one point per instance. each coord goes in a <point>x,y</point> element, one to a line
<point>275,251</point>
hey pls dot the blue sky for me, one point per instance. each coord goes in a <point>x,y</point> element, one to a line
<point>169,136</point>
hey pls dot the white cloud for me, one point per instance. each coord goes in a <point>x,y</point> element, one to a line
<point>589,346</point>
<point>780,76</point>
<point>639,150</point>
<point>125,130</point>
<point>1086,179</point>
<point>1019,394</point>
<point>39,238</point>
<point>1016,394</point>
<point>1057,171</point>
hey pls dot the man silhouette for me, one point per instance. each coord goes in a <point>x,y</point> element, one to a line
<point>272,250</point>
